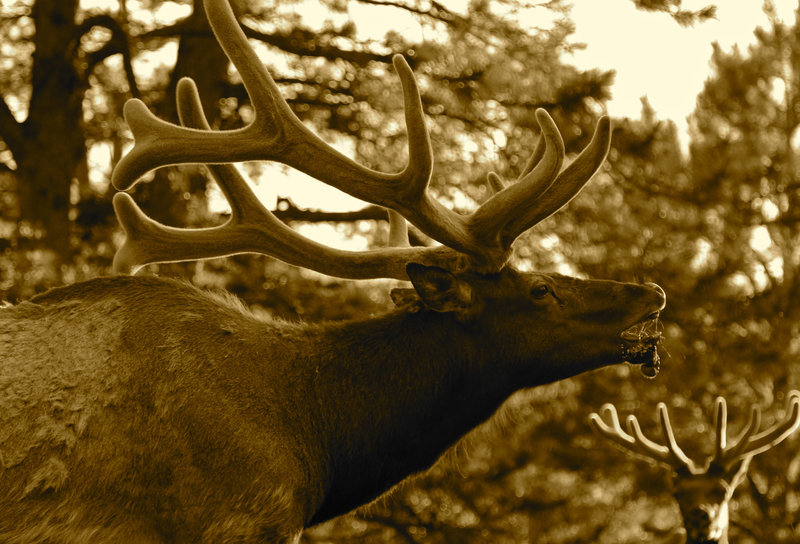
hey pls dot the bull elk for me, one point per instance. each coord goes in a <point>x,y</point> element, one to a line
<point>703,491</point>
<point>139,409</point>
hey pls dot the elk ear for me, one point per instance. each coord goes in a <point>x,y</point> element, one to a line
<point>406,299</point>
<point>439,289</point>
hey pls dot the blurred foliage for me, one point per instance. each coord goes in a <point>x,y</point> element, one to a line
<point>716,227</point>
<point>684,17</point>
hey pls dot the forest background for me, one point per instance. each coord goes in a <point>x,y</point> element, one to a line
<point>717,225</point>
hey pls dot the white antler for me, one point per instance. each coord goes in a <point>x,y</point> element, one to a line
<point>748,444</point>
<point>635,440</point>
<point>703,492</point>
<point>484,236</point>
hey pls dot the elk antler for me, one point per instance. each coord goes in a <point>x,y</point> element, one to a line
<point>748,444</point>
<point>636,442</point>
<point>484,237</point>
<point>253,228</point>
<point>704,492</point>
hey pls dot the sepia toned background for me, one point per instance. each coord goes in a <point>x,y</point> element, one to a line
<point>699,194</point>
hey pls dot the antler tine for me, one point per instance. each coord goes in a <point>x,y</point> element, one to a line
<point>679,457</point>
<point>566,186</point>
<point>536,156</point>
<point>495,182</point>
<point>636,442</point>
<point>251,228</point>
<point>245,205</point>
<point>720,426</point>
<point>635,429</point>
<point>543,193</point>
<point>751,428</point>
<point>277,134</point>
<point>398,230</point>
<point>491,219</point>
<point>613,430</point>
<point>750,444</point>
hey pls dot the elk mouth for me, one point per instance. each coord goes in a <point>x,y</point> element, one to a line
<point>640,345</point>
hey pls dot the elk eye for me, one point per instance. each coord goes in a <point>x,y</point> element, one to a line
<point>540,291</point>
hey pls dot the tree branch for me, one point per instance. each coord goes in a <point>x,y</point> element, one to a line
<point>181,28</point>
<point>287,211</point>
<point>11,130</point>
<point>683,17</point>
<point>296,42</point>
<point>117,44</point>
<point>437,11</point>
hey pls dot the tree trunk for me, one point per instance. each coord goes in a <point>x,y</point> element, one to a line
<point>49,146</point>
<point>201,58</point>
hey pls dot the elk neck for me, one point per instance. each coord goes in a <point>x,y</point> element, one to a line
<point>395,392</point>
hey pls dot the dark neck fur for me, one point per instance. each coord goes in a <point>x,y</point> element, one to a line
<point>415,396</point>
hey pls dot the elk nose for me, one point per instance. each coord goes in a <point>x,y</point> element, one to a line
<point>660,292</point>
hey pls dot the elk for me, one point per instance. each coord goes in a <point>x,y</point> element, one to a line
<point>143,409</point>
<point>703,491</point>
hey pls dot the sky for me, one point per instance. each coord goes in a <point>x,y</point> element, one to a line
<point>655,57</point>
<point>652,55</point>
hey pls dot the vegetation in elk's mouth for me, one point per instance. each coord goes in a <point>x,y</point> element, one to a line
<point>640,345</point>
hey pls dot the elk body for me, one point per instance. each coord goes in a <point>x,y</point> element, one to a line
<point>139,409</point>
<point>157,409</point>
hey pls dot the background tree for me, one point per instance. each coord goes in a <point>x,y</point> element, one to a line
<point>56,74</point>
<point>718,231</point>
<point>674,8</point>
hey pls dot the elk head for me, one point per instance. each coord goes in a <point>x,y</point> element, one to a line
<point>703,491</point>
<point>475,247</point>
